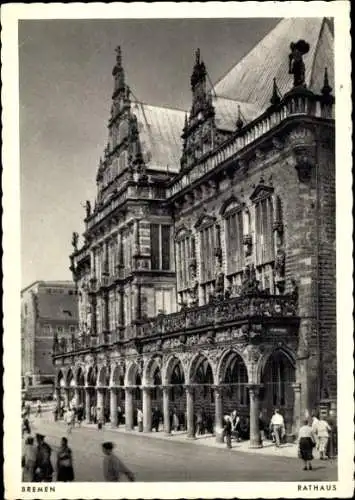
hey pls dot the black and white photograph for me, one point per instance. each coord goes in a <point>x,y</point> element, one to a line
<point>178,256</point>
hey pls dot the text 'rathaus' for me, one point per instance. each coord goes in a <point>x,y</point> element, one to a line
<point>206,277</point>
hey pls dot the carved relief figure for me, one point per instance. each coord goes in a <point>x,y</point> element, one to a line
<point>74,241</point>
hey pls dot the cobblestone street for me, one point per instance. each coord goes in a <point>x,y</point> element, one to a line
<point>177,459</point>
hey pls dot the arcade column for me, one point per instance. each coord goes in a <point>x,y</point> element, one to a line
<point>255,437</point>
<point>147,409</point>
<point>87,405</point>
<point>218,414</point>
<point>100,404</point>
<point>166,413</point>
<point>129,408</point>
<point>113,407</point>
<point>296,408</point>
<point>190,411</point>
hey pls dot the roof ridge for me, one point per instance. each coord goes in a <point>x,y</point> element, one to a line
<point>171,108</point>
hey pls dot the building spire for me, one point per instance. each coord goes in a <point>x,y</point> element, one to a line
<point>327,89</point>
<point>239,120</point>
<point>275,98</point>
<point>118,72</point>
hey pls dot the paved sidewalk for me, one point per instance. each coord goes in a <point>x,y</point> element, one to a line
<point>286,450</point>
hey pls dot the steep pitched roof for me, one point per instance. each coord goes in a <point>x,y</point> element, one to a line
<point>227,112</point>
<point>57,307</point>
<point>251,79</point>
<point>160,132</point>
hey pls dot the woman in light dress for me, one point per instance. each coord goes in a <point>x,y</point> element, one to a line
<point>323,429</point>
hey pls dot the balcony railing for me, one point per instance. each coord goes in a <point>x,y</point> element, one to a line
<point>216,314</point>
<point>210,316</point>
<point>302,103</point>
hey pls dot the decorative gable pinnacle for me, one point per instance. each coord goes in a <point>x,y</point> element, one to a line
<point>261,191</point>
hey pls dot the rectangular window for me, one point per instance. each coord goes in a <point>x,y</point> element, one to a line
<point>183,255</point>
<point>234,242</point>
<point>164,301</point>
<point>207,244</point>
<point>264,231</point>
<point>160,248</point>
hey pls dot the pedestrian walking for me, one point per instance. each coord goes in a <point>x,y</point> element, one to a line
<point>323,429</point>
<point>119,415</point>
<point>315,421</point>
<point>43,470</point>
<point>80,414</point>
<point>235,420</point>
<point>140,420</point>
<point>113,466</point>
<point>306,443</point>
<point>25,425</point>
<point>227,431</point>
<point>69,416</point>
<point>175,421</point>
<point>262,426</point>
<point>199,423</point>
<point>277,426</point>
<point>29,460</point>
<point>65,469</point>
<point>39,408</point>
<point>100,418</point>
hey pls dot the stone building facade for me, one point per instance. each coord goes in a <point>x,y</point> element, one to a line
<point>207,273</point>
<point>48,313</point>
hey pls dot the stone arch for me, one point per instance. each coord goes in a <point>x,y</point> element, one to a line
<point>91,376</point>
<point>267,355</point>
<point>61,378</point>
<point>117,376</point>
<point>70,379</point>
<point>228,356</point>
<point>277,372</point>
<point>201,362</point>
<point>170,365</point>
<point>133,374</point>
<point>103,376</point>
<point>153,365</point>
<point>79,376</point>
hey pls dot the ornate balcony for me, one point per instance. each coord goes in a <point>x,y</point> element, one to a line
<point>235,310</point>
<point>238,310</point>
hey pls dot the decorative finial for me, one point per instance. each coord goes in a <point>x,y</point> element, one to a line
<point>186,122</point>
<point>275,98</point>
<point>239,120</point>
<point>296,64</point>
<point>326,90</point>
<point>197,54</point>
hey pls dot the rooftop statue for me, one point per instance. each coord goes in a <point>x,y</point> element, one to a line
<point>74,241</point>
<point>296,64</point>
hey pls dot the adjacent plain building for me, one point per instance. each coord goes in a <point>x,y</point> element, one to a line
<point>206,276</point>
<point>48,309</point>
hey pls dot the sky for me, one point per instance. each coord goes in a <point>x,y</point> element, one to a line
<point>65,88</point>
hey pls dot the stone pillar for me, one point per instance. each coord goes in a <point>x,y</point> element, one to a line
<point>66,397</point>
<point>166,413</point>
<point>57,396</point>
<point>296,408</point>
<point>77,396</point>
<point>113,407</point>
<point>190,411</point>
<point>100,404</point>
<point>218,414</point>
<point>87,405</point>
<point>255,437</point>
<point>129,408</point>
<point>147,409</point>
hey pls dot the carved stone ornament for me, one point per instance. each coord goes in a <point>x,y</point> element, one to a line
<point>296,64</point>
<point>252,354</point>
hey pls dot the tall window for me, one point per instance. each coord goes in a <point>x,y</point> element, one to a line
<point>264,232</point>
<point>183,256</point>
<point>164,301</point>
<point>160,249</point>
<point>207,245</point>
<point>234,240</point>
<point>127,250</point>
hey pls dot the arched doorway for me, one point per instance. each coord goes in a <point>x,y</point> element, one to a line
<point>234,380</point>
<point>201,376</point>
<point>277,377</point>
<point>133,379</point>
